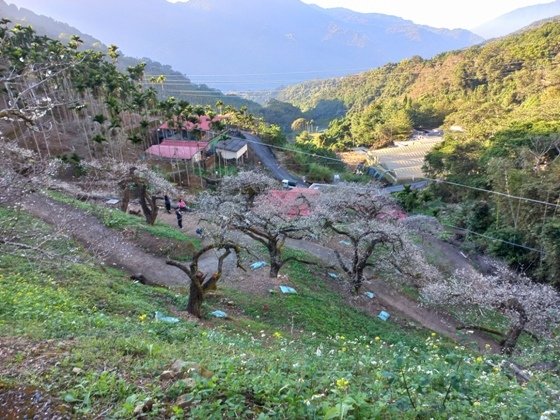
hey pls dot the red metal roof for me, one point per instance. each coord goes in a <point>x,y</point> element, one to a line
<point>204,123</point>
<point>177,149</point>
<point>292,199</point>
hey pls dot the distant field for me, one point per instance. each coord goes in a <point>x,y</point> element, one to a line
<point>406,158</point>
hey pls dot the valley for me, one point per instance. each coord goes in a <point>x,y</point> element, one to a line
<point>378,242</point>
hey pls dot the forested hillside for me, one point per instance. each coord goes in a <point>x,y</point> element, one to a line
<point>482,89</point>
<point>500,106</point>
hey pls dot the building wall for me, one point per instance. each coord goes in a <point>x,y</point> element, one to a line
<point>225,154</point>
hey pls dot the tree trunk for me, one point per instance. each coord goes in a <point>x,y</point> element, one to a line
<point>510,341</point>
<point>149,205</point>
<point>357,281</point>
<point>196,297</point>
<point>276,262</point>
<point>125,199</point>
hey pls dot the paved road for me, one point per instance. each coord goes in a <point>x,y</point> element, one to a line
<point>267,158</point>
<point>413,186</point>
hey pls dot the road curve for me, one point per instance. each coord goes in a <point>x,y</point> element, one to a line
<point>267,158</point>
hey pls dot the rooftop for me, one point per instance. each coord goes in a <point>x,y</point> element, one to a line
<point>177,149</point>
<point>232,144</point>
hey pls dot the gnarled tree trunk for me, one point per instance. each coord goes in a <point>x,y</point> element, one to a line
<point>510,341</point>
<point>196,295</point>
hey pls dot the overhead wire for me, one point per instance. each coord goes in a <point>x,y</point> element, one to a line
<point>508,68</point>
<point>442,181</point>
<point>495,239</point>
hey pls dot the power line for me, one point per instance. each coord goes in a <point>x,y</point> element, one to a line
<point>494,239</point>
<point>509,67</point>
<point>506,69</point>
<point>530,200</point>
<point>443,224</point>
<point>426,178</point>
<point>276,73</point>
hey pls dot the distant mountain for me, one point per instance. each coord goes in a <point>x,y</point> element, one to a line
<point>482,88</point>
<point>251,44</point>
<point>517,19</point>
<point>176,83</point>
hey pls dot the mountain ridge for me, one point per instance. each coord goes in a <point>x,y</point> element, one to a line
<point>517,19</point>
<point>177,84</point>
<point>219,43</point>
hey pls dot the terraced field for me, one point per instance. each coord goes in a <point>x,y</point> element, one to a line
<point>405,159</point>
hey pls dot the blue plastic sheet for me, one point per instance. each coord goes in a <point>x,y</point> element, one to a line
<point>287,289</point>
<point>169,319</point>
<point>219,314</point>
<point>370,295</point>
<point>384,316</point>
<point>257,265</point>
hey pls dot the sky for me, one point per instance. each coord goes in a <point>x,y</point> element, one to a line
<point>439,13</point>
<point>466,14</point>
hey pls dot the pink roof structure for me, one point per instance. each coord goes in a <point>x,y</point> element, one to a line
<point>177,149</point>
<point>203,124</point>
<point>292,199</point>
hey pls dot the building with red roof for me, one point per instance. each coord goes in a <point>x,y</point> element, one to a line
<point>295,201</point>
<point>203,125</point>
<point>178,149</point>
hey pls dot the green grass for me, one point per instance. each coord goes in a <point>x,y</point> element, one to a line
<point>116,219</point>
<point>336,362</point>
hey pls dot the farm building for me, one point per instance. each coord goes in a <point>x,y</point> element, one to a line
<point>189,130</point>
<point>232,148</point>
<point>178,150</point>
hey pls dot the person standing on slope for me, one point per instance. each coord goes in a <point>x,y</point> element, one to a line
<point>167,203</point>
<point>179,217</point>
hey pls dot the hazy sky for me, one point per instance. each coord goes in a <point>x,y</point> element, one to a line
<point>439,13</point>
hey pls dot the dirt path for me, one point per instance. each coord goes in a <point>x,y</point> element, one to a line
<point>107,244</point>
<point>408,308</point>
<point>112,248</point>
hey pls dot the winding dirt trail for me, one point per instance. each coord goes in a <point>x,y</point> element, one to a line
<point>111,247</point>
<point>408,308</point>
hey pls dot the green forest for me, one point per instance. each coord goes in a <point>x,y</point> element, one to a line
<point>499,104</point>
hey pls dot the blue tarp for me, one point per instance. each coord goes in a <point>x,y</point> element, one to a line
<point>384,316</point>
<point>219,314</point>
<point>257,265</point>
<point>370,295</point>
<point>169,319</point>
<point>287,289</point>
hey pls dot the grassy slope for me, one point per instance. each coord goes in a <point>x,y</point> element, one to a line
<point>287,356</point>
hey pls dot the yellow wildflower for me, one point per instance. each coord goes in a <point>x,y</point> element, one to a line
<point>277,334</point>
<point>377,338</point>
<point>142,317</point>
<point>342,383</point>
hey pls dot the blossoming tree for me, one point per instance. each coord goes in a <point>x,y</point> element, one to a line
<point>528,306</point>
<point>253,204</point>
<point>367,222</point>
